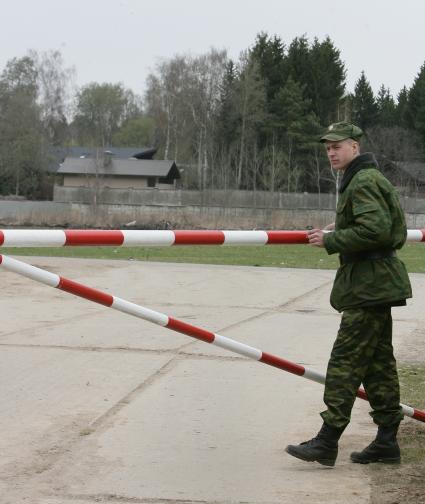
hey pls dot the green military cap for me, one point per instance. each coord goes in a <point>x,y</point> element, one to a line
<point>341,131</point>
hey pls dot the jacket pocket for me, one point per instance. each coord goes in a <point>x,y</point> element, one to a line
<point>341,220</point>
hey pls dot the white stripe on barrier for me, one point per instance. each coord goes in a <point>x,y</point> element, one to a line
<point>148,238</point>
<point>245,237</point>
<point>314,376</point>
<point>34,238</point>
<point>414,235</point>
<point>237,347</point>
<point>32,272</point>
<point>139,311</point>
<point>407,410</point>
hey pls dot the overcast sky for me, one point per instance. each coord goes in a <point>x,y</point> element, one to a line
<point>122,40</point>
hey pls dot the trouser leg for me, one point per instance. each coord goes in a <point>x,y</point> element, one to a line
<point>381,380</point>
<point>351,357</point>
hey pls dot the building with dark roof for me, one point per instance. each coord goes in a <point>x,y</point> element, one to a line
<point>116,169</point>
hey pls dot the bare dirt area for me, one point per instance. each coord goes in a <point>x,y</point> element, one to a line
<point>98,406</point>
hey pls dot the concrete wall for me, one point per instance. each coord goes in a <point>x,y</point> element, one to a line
<point>171,197</point>
<point>48,213</point>
<point>212,198</point>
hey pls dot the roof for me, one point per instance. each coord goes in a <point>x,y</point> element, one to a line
<point>416,169</point>
<point>58,154</point>
<point>116,152</point>
<point>120,167</point>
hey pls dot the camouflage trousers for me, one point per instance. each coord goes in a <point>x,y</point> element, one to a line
<point>363,353</point>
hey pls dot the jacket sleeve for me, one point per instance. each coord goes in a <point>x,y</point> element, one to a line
<point>371,227</point>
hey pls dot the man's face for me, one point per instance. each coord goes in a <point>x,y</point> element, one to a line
<point>340,154</point>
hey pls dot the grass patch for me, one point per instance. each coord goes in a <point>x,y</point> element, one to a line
<point>412,384</point>
<point>405,482</point>
<point>412,390</point>
<point>278,256</point>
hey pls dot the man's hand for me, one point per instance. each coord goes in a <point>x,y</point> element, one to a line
<point>330,227</point>
<point>315,237</point>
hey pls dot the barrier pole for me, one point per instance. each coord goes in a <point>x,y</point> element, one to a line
<point>146,238</point>
<point>97,296</point>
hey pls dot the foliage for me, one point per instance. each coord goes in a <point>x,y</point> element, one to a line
<point>21,135</point>
<point>135,132</point>
<point>101,110</point>
<point>249,123</point>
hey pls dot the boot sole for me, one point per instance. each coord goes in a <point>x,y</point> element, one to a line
<point>325,462</point>
<point>377,460</point>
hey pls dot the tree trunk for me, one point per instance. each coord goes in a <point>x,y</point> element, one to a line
<point>242,143</point>
<point>167,138</point>
<point>200,181</point>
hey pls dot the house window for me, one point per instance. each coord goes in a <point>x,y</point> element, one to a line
<point>151,181</point>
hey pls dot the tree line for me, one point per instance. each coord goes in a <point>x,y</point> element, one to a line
<point>251,123</point>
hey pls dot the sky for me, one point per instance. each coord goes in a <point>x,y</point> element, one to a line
<point>123,40</point>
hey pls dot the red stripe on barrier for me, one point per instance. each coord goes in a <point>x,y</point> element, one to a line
<point>85,292</point>
<point>199,237</point>
<point>1,237</point>
<point>423,235</point>
<point>362,394</point>
<point>88,237</point>
<point>1,259</point>
<point>289,237</point>
<point>190,330</point>
<point>418,415</point>
<point>280,363</point>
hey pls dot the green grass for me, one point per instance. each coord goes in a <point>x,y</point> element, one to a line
<point>412,385</point>
<point>280,256</point>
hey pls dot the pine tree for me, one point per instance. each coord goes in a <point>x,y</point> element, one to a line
<point>299,65</point>
<point>298,127</point>
<point>227,115</point>
<point>387,111</point>
<point>401,107</point>
<point>269,55</point>
<point>364,108</point>
<point>416,104</point>
<point>328,80</point>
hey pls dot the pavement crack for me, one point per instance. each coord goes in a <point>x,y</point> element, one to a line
<point>49,324</point>
<point>102,420</point>
<point>115,498</point>
<point>285,306</point>
<point>280,308</point>
<point>91,348</point>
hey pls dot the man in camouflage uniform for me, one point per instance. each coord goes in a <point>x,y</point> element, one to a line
<point>368,229</point>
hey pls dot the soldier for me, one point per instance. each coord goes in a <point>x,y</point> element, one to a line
<point>368,229</point>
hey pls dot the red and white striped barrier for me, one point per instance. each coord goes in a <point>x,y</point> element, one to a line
<point>53,280</point>
<point>136,238</point>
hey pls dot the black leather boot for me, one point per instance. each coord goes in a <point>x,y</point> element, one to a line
<point>323,448</point>
<point>384,448</point>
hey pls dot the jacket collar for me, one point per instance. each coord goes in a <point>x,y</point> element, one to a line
<point>362,161</point>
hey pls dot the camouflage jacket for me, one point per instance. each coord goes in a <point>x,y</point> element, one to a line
<point>368,218</point>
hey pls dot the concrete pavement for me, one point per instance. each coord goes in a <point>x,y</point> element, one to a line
<point>97,406</point>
